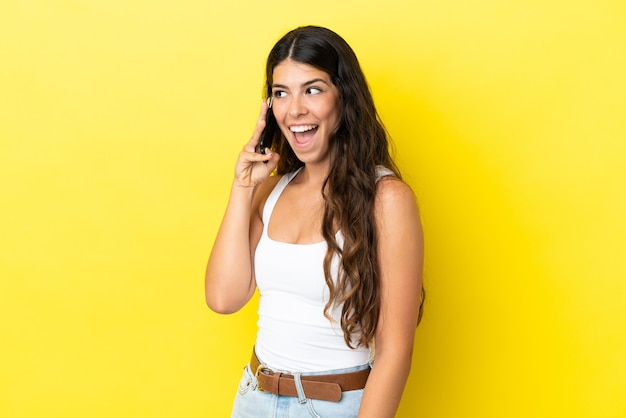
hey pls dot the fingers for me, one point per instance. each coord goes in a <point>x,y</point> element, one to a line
<point>272,162</point>
<point>246,156</point>
<point>258,129</point>
<point>248,159</point>
<point>254,168</point>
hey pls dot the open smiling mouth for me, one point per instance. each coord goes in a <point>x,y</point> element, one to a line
<point>303,133</point>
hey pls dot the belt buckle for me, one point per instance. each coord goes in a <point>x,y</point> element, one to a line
<point>261,369</point>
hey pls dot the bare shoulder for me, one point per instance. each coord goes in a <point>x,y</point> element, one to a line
<point>263,191</point>
<point>393,194</point>
<point>396,209</point>
<point>267,186</point>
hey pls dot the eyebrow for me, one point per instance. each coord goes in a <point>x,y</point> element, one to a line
<point>305,84</point>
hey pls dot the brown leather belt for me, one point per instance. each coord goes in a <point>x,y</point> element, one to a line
<point>326,387</point>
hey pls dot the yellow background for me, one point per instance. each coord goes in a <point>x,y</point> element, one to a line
<point>120,122</point>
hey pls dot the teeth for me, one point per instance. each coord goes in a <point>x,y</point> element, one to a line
<point>302,128</point>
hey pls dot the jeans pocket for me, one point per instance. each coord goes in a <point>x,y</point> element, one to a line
<point>347,407</point>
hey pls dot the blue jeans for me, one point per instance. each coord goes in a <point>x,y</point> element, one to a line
<point>251,403</point>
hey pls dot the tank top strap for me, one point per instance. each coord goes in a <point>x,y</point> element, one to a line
<point>272,198</point>
<point>382,171</point>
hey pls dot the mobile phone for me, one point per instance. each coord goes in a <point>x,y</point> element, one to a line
<point>267,136</point>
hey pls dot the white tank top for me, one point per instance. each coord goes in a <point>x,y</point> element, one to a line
<point>294,335</point>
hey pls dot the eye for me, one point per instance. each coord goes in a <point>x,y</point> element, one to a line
<point>279,93</point>
<point>313,90</point>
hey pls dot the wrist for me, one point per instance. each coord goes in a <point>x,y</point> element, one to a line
<point>245,188</point>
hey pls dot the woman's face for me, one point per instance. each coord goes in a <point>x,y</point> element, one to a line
<point>306,107</point>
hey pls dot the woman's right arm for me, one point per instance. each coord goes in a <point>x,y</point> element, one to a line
<point>229,280</point>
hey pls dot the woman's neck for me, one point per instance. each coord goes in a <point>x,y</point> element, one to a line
<point>312,175</point>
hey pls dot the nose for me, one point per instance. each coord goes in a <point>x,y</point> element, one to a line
<point>297,107</point>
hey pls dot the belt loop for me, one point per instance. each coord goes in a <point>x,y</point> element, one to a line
<point>252,377</point>
<point>299,388</point>
<point>276,383</point>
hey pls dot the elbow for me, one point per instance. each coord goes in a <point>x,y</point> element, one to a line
<point>224,297</point>
<point>223,302</point>
<point>219,305</point>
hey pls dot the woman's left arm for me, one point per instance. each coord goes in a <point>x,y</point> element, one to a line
<point>400,260</point>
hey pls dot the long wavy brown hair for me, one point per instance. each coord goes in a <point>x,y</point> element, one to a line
<point>358,146</point>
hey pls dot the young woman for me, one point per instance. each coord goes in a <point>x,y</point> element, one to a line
<point>333,241</point>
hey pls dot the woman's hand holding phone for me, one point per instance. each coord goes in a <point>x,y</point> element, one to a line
<point>267,136</point>
<point>254,167</point>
